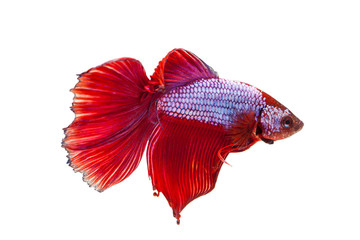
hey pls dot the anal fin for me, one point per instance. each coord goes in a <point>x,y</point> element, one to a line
<point>183,160</point>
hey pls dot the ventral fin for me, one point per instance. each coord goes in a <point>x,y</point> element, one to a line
<point>180,67</point>
<point>183,160</point>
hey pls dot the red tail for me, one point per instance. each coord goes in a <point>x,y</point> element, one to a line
<point>112,125</point>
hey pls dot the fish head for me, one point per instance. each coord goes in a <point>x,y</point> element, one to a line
<point>277,122</point>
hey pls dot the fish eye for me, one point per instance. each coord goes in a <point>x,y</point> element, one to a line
<point>287,122</point>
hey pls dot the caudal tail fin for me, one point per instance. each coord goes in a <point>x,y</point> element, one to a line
<point>112,122</point>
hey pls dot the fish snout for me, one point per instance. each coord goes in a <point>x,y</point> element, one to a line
<point>298,125</point>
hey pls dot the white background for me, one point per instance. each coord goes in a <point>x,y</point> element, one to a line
<point>304,53</point>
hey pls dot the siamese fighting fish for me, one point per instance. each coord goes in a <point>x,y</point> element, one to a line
<point>189,118</point>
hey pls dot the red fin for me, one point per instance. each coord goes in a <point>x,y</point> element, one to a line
<point>183,160</point>
<point>243,127</point>
<point>109,134</point>
<point>242,133</point>
<point>180,67</point>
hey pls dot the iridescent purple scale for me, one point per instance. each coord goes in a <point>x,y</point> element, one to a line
<point>214,101</point>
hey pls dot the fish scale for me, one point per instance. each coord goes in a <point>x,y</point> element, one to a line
<point>214,101</point>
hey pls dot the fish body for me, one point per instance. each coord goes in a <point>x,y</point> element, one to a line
<point>213,101</point>
<point>189,116</point>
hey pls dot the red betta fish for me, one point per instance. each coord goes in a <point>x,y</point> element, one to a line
<point>191,118</point>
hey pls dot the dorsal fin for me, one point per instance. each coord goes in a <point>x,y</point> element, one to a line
<point>178,68</point>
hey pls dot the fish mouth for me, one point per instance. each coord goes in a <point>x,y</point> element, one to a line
<point>260,135</point>
<point>298,126</point>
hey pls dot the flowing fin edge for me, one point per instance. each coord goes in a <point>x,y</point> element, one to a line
<point>183,161</point>
<point>106,140</point>
<point>178,68</point>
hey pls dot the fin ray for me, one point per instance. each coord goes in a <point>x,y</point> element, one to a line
<point>183,160</point>
<point>180,67</point>
<point>111,128</point>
